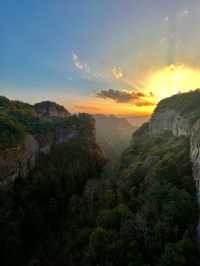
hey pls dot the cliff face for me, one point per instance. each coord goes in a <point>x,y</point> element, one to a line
<point>26,132</point>
<point>169,120</point>
<point>19,160</point>
<point>184,121</point>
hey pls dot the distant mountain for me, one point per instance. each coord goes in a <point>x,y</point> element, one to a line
<point>113,134</point>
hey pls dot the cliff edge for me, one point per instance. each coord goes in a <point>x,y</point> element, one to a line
<point>27,131</point>
<point>180,114</point>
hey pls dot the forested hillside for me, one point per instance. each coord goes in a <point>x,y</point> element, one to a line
<point>157,185</point>
<point>45,216</point>
<point>18,118</point>
<point>68,211</point>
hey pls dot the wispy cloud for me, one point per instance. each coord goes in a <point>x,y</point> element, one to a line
<point>182,13</point>
<point>166,19</point>
<point>117,73</point>
<point>136,98</point>
<point>87,72</point>
<point>90,73</point>
<point>80,65</point>
<point>185,12</point>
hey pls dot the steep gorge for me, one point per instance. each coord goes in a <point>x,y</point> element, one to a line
<point>62,209</point>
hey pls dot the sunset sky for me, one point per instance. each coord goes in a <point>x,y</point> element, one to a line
<point>99,56</point>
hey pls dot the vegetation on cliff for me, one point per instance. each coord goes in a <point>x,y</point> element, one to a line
<point>186,104</point>
<point>45,218</point>
<point>18,118</point>
<point>157,186</point>
<point>68,212</point>
<point>64,213</point>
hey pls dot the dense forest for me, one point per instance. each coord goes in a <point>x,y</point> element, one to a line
<point>68,211</point>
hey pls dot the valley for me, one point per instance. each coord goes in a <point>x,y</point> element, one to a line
<point>78,192</point>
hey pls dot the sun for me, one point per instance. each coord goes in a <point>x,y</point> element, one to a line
<point>172,80</point>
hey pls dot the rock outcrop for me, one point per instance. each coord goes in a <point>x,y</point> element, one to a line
<point>19,160</point>
<point>170,120</point>
<point>51,109</point>
<point>183,121</point>
<point>27,131</point>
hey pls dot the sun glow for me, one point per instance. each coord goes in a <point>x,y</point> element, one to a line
<point>156,86</point>
<point>173,79</point>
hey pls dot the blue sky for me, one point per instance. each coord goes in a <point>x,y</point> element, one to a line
<point>68,50</point>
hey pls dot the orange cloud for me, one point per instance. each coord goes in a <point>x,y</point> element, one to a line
<point>136,98</point>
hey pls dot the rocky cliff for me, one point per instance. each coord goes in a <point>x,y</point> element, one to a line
<point>51,109</point>
<point>19,160</point>
<point>27,131</point>
<point>180,114</point>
